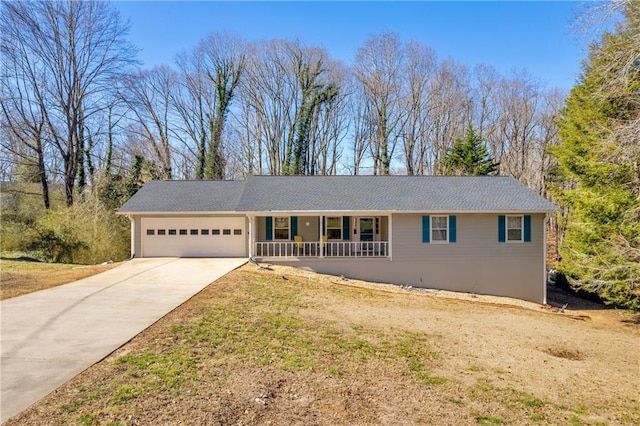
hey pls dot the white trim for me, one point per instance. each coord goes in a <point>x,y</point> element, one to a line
<point>132,221</point>
<point>326,229</point>
<point>322,243</point>
<point>390,235</point>
<point>431,240</point>
<point>332,212</point>
<point>251,238</point>
<point>273,229</point>
<point>186,213</point>
<point>506,229</point>
<point>383,212</point>
<point>376,237</point>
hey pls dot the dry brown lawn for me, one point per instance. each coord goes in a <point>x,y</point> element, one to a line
<point>285,346</point>
<point>18,277</point>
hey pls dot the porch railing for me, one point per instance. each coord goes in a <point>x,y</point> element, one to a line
<point>320,249</point>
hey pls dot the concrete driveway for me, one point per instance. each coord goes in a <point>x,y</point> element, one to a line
<point>50,336</point>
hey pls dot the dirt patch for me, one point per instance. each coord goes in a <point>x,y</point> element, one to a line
<point>291,347</point>
<point>570,354</point>
<point>18,277</point>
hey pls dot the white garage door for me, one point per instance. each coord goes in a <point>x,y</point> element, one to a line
<point>193,237</point>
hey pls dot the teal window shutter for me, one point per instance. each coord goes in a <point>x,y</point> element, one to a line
<point>426,229</point>
<point>527,228</point>
<point>294,226</point>
<point>502,228</point>
<point>452,229</point>
<point>346,225</point>
<point>269,228</point>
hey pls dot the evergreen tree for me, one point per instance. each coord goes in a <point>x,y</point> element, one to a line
<point>600,170</point>
<point>469,157</point>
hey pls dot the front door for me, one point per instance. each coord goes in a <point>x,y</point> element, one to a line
<point>366,229</point>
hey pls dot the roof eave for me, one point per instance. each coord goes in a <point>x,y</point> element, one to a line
<point>179,213</point>
<point>324,212</point>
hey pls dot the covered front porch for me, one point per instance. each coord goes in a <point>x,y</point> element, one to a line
<point>320,236</point>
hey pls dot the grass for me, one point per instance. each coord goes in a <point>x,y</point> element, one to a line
<point>489,420</point>
<point>18,277</point>
<point>260,326</point>
<point>257,335</point>
<point>280,337</point>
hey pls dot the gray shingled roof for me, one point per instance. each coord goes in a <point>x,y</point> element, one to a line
<point>340,193</point>
<point>185,196</point>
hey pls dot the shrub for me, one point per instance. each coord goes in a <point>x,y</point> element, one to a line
<point>56,245</point>
<point>100,234</point>
<point>88,232</point>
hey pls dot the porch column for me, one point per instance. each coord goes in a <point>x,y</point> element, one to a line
<point>133,237</point>
<point>251,239</point>
<point>390,239</point>
<point>320,231</point>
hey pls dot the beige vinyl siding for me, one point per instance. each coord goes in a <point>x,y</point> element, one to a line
<point>308,233</point>
<point>384,228</point>
<point>262,228</point>
<point>477,238</point>
<point>476,263</point>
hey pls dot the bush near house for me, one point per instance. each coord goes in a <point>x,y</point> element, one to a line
<point>85,233</point>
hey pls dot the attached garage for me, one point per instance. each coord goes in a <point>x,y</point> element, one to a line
<point>193,236</point>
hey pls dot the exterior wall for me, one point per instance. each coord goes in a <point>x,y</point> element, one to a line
<point>312,232</point>
<point>308,233</point>
<point>384,228</point>
<point>260,232</point>
<point>476,263</point>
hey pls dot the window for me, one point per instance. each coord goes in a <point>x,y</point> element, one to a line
<point>514,228</point>
<point>204,232</point>
<point>215,232</point>
<point>172,232</point>
<point>440,229</point>
<point>226,232</point>
<point>151,232</point>
<point>281,228</point>
<point>237,232</point>
<point>162,232</point>
<point>334,228</point>
<point>193,232</point>
<point>183,232</point>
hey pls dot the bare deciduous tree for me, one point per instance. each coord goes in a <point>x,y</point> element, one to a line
<point>513,142</point>
<point>79,48</point>
<point>419,70</point>
<point>290,103</point>
<point>450,110</point>
<point>22,121</point>
<point>378,67</point>
<point>149,97</point>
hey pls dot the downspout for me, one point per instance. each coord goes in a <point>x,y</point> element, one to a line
<point>544,259</point>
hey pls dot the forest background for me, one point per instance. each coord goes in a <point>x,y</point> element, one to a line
<point>83,128</point>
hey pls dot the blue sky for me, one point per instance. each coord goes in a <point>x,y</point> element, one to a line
<point>536,36</point>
